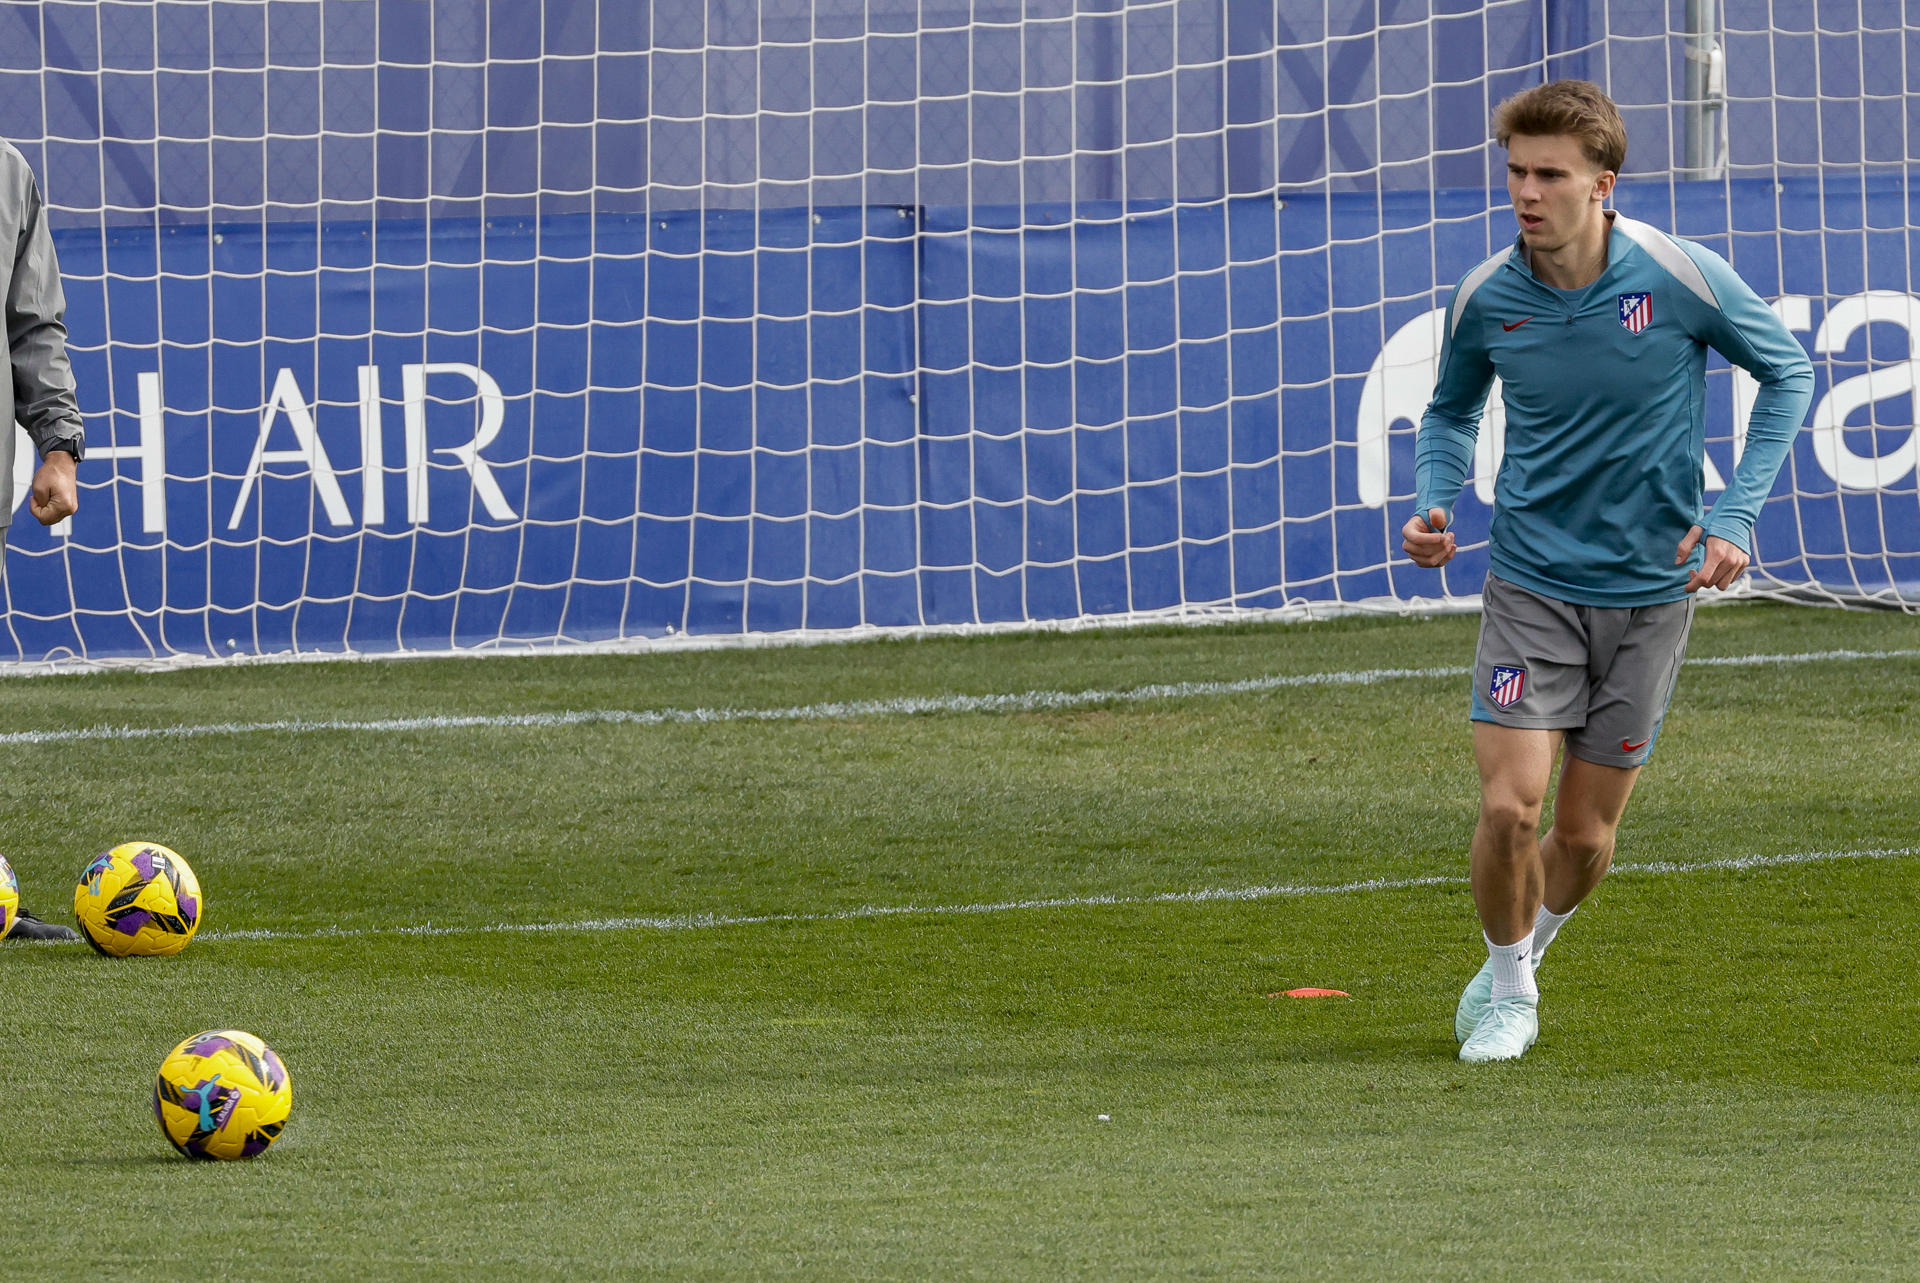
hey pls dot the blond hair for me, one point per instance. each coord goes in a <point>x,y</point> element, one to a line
<point>1577,108</point>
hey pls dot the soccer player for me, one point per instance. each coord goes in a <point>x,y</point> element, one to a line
<point>39,396</point>
<point>1598,327</point>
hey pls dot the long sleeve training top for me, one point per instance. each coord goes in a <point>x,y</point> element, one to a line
<point>39,395</point>
<point>1605,394</point>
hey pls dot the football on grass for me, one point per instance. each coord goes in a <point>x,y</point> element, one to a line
<point>9,897</point>
<point>139,899</point>
<point>222,1094</point>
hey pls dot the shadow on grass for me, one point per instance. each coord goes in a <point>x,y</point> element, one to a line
<point>143,1159</point>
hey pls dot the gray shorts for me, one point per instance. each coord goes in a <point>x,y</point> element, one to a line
<point>1602,674</point>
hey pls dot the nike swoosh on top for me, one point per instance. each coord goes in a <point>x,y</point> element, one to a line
<point>1635,748</point>
<point>1516,325</point>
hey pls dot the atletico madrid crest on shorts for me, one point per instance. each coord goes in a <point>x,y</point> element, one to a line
<point>1636,311</point>
<point>1507,686</point>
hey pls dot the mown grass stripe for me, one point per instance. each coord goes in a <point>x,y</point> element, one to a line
<point>841,710</point>
<point>705,921</point>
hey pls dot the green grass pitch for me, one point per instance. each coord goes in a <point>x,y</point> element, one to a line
<point>769,1079</point>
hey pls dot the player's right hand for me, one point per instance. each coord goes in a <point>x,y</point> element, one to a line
<point>1428,541</point>
<point>54,495</point>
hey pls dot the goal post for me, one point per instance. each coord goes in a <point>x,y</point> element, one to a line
<point>476,324</point>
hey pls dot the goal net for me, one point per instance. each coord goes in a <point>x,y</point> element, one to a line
<point>436,325</point>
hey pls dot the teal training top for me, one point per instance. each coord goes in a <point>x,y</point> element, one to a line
<point>1606,407</point>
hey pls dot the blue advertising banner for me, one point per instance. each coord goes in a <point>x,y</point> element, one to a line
<point>411,435</point>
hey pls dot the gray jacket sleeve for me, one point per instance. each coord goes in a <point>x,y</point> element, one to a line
<point>43,399</point>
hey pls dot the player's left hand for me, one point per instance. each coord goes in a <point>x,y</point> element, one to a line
<point>55,497</point>
<point>1724,562</point>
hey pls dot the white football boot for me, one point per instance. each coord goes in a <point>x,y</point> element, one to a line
<point>1509,1027</point>
<point>1473,1002</point>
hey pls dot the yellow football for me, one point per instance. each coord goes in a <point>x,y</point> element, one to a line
<point>138,899</point>
<point>222,1094</point>
<point>9,897</point>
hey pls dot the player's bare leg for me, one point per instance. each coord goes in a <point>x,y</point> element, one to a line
<point>1508,878</point>
<point>1496,1018</point>
<point>1574,857</point>
<point>1578,850</point>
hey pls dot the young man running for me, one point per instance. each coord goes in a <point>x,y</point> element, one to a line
<point>39,395</point>
<point>1598,327</point>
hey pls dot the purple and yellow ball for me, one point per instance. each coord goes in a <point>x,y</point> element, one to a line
<point>138,900</point>
<point>222,1094</point>
<point>9,897</point>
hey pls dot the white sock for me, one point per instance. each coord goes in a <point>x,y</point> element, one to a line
<point>1546,925</point>
<point>1512,973</point>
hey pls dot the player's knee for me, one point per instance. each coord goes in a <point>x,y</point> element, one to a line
<point>1509,819</point>
<point>1585,844</point>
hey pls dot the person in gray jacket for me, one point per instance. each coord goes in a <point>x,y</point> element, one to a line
<point>39,397</point>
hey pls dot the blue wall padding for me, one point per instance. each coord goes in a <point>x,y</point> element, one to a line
<point>740,421</point>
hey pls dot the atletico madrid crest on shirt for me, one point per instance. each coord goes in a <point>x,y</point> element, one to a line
<point>1507,686</point>
<point>1636,310</point>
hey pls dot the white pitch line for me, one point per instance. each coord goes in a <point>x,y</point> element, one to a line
<point>704,921</point>
<point>1025,702</point>
<point>1801,657</point>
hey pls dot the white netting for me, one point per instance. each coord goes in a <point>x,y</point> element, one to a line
<point>411,326</point>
